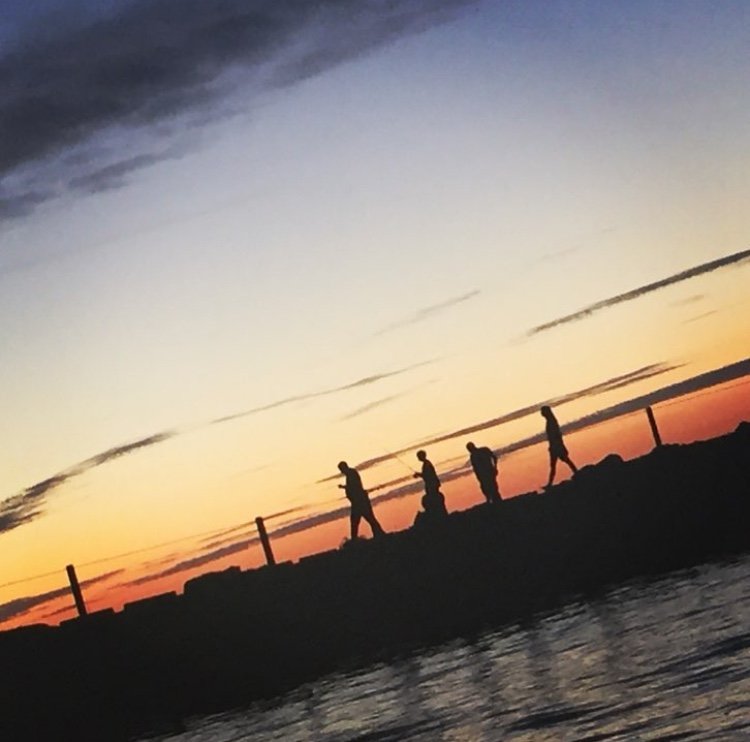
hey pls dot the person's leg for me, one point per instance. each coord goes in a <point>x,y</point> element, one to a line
<point>369,516</point>
<point>354,520</point>
<point>486,490</point>
<point>440,500</point>
<point>377,529</point>
<point>552,467</point>
<point>570,463</point>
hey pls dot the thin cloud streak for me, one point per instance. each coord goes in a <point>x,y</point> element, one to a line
<point>427,312</point>
<point>115,175</point>
<point>693,299</point>
<point>197,561</point>
<point>735,259</point>
<point>19,606</point>
<point>364,381</point>
<point>701,316</point>
<point>28,505</point>
<point>616,382</point>
<point>672,391</point>
<point>382,401</point>
<point>638,404</point>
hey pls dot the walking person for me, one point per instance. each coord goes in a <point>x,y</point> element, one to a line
<point>557,448</point>
<point>484,463</point>
<point>361,507</point>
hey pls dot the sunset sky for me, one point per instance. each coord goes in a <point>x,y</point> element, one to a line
<point>243,240</point>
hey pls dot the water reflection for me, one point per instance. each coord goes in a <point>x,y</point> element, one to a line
<point>666,659</point>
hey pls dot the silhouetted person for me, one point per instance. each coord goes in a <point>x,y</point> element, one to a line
<point>433,501</point>
<point>357,496</point>
<point>557,448</point>
<point>484,464</point>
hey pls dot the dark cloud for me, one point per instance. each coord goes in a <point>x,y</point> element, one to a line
<point>18,606</point>
<point>698,270</point>
<point>427,312</point>
<point>114,175</point>
<point>156,65</point>
<point>21,204</point>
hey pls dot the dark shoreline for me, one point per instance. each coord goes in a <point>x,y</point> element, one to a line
<point>235,637</point>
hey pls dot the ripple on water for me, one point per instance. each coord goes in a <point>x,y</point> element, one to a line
<point>667,659</point>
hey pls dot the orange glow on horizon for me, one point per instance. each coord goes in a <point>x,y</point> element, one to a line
<point>705,414</point>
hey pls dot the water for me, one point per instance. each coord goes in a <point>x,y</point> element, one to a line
<point>668,660</point>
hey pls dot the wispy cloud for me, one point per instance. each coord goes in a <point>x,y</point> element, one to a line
<point>23,203</point>
<point>699,270</point>
<point>700,316</point>
<point>28,505</point>
<point>406,486</point>
<point>692,299</point>
<point>427,312</point>
<point>18,606</point>
<point>364,409</point>
<point>584,244</point>
<point>672,391</point>
<point>115,174</point>
<point>616,382</point>
<point>362,382</point>
<point>151,68</point>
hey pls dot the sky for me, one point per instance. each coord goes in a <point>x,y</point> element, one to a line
<point>241,241</point>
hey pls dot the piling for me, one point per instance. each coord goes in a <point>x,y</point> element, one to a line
<point>75,588</point>
<point>265,541</point>
<point>654,427</point>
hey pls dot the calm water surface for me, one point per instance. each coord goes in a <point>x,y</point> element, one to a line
<point>667,660</point>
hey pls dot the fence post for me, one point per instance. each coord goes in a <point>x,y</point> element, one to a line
<point>654,427</point>
<point>75,588</point>
<point>265,541</point>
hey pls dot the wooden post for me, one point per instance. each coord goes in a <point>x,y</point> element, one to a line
<point>75,588</point>
<point>654,428</point>
<point>264,540</point>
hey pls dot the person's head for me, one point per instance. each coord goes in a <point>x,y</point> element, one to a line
<point>546,411</point>
<point>421,455</point>
<point>343,467</point>
<point>471,447</point>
